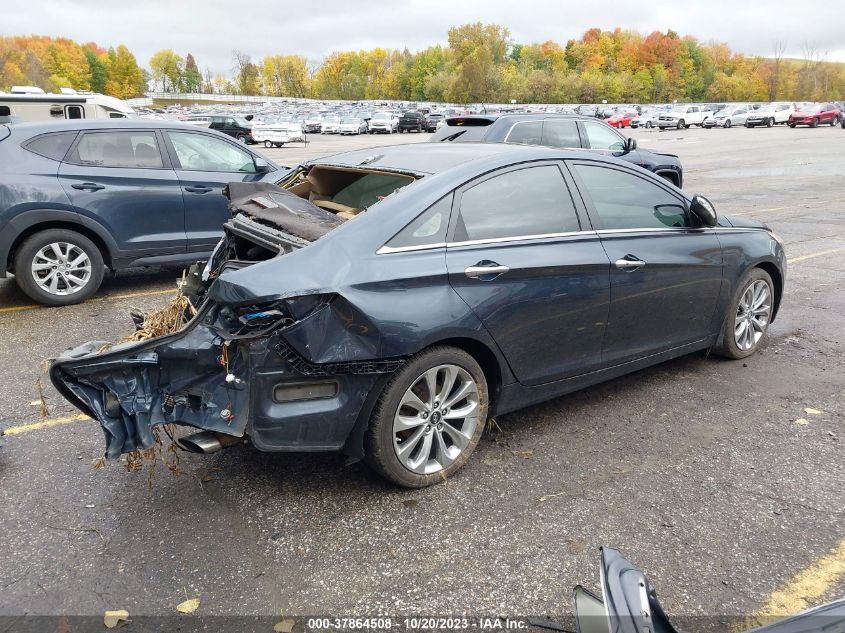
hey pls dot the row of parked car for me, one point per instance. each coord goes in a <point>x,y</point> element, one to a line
<point>729,115</point>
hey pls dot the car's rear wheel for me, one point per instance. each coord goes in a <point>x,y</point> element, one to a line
<point>428,419</point>
<point>748,316</point>
<point>791,125</point>
<point>57,267</point>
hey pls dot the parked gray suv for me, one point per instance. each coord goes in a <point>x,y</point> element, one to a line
<point>79,197</point>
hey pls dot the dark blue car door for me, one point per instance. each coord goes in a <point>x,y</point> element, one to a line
<point>121,179</point>
<point>205,163</point>
<point>524,259</point>
<point>666,270</point>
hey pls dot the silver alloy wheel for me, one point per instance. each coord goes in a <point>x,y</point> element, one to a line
<point>61,268</point>
<point>436,419</point>
<point>752,314</point>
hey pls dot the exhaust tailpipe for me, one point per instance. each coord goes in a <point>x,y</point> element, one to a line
<point>206,442</point>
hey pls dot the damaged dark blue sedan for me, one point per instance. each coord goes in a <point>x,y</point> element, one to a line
<point>387,302</point>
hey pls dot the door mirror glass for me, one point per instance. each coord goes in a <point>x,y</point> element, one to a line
<point>704,210</point>
<point>261,165</point>
<point>630,144</point>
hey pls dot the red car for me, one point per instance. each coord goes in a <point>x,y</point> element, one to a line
<point>814,113</point>
<point>622,119</point>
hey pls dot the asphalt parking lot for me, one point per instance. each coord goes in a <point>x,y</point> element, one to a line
<point>710,475</point>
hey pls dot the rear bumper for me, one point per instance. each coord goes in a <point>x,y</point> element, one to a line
<point>270,394</point>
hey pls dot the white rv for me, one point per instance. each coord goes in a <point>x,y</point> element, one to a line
<point>26,103</point>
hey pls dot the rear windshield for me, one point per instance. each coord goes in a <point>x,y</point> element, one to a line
<point>449,133</point>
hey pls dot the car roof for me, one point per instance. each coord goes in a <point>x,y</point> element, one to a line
<point>42,127</point>
<point>432,158</point>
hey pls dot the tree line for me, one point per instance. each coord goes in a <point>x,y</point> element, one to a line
<point>481,63</point>
<point>56,63</point>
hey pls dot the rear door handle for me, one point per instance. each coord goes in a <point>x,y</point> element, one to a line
<point>88,186</point>
<point>198,189</point>
<point>629,263</point>
<point>485,269</point>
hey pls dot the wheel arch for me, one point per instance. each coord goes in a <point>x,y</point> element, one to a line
<point>65,224</point>
<point>777,279</point>
<point>480,352</point>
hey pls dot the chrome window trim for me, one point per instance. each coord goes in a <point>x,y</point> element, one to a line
<point>386,250</point>
<point>519,238</point>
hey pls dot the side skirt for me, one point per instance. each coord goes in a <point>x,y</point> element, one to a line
<point>517,396</point>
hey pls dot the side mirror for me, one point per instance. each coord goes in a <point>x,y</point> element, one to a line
<point>630,144</point>
<point>261,165</point>
<point>704,210</point>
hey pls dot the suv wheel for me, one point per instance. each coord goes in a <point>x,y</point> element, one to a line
<point>815,122</point>
<point>428,419</point>
<point>58,267</point>
<point>770,122</point>
<point>748,316</point>
<point>242,139</point>
<point>681,124</point>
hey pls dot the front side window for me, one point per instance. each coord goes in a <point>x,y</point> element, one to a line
<point>561,133</point>
<point>625,201</point>
<point>519,203</point>
<point>428,228</point>
<point>603,137</point>
<point>526,133</point>
<point>205,153</point>
<point>117,149</point>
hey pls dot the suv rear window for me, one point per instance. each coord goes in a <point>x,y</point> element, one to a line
<point>53,146</point>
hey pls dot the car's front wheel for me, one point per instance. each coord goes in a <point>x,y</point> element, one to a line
<point>748,316</point>
<point>57,267</point>
<point>428,419</point>
<point>681,124</point>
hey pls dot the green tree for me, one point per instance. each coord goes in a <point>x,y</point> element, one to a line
<point>167,69</point>
<point>191,78</point>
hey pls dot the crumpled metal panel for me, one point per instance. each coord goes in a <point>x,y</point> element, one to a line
<point>176,378</point>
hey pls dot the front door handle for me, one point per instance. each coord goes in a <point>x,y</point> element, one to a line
<point>198,189</point>
<point>629,263</point>
<point>87,186</point>
<point>487,270</point>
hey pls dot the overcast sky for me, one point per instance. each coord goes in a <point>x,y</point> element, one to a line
<point>211,29</point>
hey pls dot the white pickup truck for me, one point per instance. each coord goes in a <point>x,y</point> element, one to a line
<point>682,116</point>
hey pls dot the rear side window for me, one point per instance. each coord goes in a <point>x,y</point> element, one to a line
<point>526,133</point>
<point>53,146</point>
<point>428,229</point>
<point>561,133</point>
<point>625,201</point>
<point>117,149</point>
<point>519,203</point>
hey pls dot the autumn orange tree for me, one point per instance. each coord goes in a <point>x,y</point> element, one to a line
<point>55,63</point>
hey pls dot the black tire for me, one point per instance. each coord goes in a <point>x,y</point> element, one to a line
<point>833,122</point>
<point>792,125</point>
<point>379,440</point>
<point>241,138</point>
<point>815,123</point>
<point>268,144</point>
<point>25,277</point>
<point>682,124</point>
<point>728,122</point>
<point>727,345</point>
<point>770,122</point>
